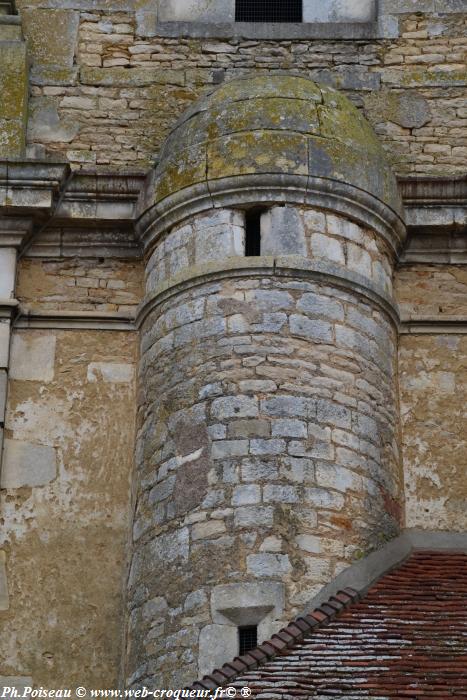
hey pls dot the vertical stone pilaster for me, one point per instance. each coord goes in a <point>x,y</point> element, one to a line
<point>13,85</point>
<point>11,235</point>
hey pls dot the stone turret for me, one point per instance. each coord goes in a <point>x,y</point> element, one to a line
<point>268,444</point>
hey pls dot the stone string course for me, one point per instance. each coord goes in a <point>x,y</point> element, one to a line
<point>121,93</point>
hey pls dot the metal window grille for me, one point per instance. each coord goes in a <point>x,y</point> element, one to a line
<point>268,10</point>
<point>247,639</point>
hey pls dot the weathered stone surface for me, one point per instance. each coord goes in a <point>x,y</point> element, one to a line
<point>7,272</point>
<point>261,136</point>
<point>268,564</point>
<point>4,344</point>
<point>52,39</point>
<point>338,11</point>
<point>26,464</point>
<point>201,11</point>
<point>4,598</point>
<point>432,374</point>
<point>282,232</point>
<point>112,372</point>
<point>33,357</point>
<point>13,104</point>
<point>81,512</point>
<point>215,645</point>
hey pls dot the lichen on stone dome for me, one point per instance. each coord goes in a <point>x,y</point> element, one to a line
<point>275,126</point>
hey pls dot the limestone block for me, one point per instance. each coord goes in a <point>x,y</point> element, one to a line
<point>4,343</point>
<point>246,603</point>
<point>197,11</point>
<point>282,232</point>
<point>27,464</point>
<point>245,495</point>
<point>3,390</point>
<point>217,644</point>
<point>13,103</point>
<point>326,248</point>
<point>268,564</point>
<point>33,357</point>
<point>19,683</point>
<point>319,305</point>
<point>229,448</point>
<point>253,516</point>
<point>317,331</point>
<point>7,272</point>
<point>207,530</point>
<point>277,493</point>
<point>52,40</point>
<point>46,125</point>
<point>234,407</point>
<point>110,372</point>
<point>338,10</point>
<point>4,600</point>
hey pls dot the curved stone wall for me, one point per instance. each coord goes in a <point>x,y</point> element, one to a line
<point>268,446</point>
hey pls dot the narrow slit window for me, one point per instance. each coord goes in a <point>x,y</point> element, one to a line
<point>268,10</point>
<point>247,639</point>
<point>253,232</point>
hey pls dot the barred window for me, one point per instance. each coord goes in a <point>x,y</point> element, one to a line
<point>247,639</point>
<point>268,10</point>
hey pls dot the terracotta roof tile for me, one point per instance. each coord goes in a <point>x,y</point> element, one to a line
<point>407,638</point>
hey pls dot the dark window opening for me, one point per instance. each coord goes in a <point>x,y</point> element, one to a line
<point>253,232</point>
<point>247,639</point>
<point>268,10</point>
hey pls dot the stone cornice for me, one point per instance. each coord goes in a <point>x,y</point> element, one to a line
<point>74,320</point>
<point>49,211</point>
<point>433,325</point>
<point>244,190</point>
<point>8,308</point>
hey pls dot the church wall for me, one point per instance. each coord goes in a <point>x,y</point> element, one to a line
<point>80,284</point>
<point>65,496</point>
<point>433,385</point>
<point>108,92</point>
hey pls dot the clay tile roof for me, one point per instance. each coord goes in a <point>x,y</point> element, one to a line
<point>406,638</point>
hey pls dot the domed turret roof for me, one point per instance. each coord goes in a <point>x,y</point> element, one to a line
<point>281,128</point>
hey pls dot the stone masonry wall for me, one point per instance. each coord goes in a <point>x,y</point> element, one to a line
<point>64,504</point>
<point>267,452</point>
<point>433,382</point>
<point>215,236</point>
<point>104,93</point>
<point>80,284</point>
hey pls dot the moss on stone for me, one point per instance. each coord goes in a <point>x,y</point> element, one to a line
<point>13,103</point>
<point>281,124</point>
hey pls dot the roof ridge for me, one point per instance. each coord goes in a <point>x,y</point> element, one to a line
<point>287,637</point>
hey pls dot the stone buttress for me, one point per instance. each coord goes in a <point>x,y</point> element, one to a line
<point>268,445</point>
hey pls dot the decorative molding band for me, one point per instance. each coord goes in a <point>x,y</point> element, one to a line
<point>244,190</point>
<point>269,30</point>
<point>433,325</point>
<point>433,190</point>
<point>74,320</point>
<point>285,266</point>
<point>56,213</point>
<point>8,308</point>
